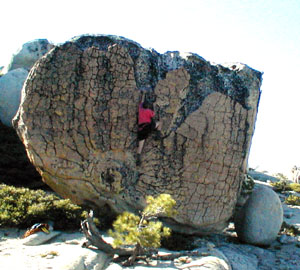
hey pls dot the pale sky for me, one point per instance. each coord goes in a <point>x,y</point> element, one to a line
<point>263,34</point>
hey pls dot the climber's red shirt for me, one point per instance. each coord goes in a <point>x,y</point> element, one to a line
<point>145,115</point>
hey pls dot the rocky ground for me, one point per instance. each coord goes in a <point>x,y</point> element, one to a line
<point>222,251</point>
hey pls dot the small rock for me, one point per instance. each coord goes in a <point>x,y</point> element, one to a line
<point>287,239</point>
<point>210,262</point>
<point>114,266</point>
<point>184,259</point>
<point>39,238</point>
<point>72,242</point>
<point>85,259</point>
<point>288,215</point>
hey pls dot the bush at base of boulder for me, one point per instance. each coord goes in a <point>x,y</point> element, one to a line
<point>22,207</point>
<point>259,220</point>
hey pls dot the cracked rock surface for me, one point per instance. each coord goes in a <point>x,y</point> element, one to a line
<point>78,122</point>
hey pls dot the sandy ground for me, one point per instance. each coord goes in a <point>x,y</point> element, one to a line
<point>53,255</point>
<point>64,252</point>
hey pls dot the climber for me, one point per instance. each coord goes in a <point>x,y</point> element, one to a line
<point>146,125</point>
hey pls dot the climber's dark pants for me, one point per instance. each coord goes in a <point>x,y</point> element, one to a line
<point>145,129</point>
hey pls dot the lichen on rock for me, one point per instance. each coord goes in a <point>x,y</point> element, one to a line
<point>78,121</point>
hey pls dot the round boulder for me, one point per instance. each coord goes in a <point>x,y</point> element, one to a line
<point>259,220</point>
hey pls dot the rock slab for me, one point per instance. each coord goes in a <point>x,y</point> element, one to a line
<point>78,122</point>
<point>39,238</point>
<point>259,221</point>
<point>262,176</point>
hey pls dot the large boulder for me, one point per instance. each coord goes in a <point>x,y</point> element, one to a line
<point>11,85</point>
<point>78,122</point>
<point>259,221</point>
<point>29,54</point>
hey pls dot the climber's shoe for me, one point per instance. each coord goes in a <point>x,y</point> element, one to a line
<point>158,136</point>
<point>138,160</point>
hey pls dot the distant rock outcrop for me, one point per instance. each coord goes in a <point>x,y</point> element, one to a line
<point>78,122</point>
<point>262,176</point>
<point>296,174</point>
<point>11,84</point>
<point>29,54</point>
<point>15,74</point>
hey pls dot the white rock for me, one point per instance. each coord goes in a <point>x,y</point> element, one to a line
<point>83,259</point>
<point>29,54</point>
<point>114,266</point>
<point>39,238</point>
<point>10,94</point>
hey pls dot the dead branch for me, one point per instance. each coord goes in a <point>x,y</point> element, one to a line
<point>94,238</point>
<point>173,256</point>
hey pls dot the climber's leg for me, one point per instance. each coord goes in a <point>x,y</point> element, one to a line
<point>157,129</point>
<point>158,125</point>
<point>140,147</point>
<point>139,151</point>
